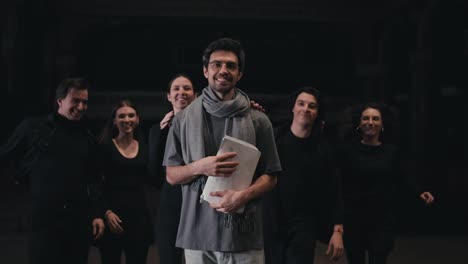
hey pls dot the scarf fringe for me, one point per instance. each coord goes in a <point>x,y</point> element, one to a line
<point>243,223</point>
<point>198,184</point>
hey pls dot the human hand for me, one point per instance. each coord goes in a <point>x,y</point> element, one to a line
<point>217,166</point>
<point>114,221</point>
<point>98,227</point>
<point>335,246</point>
<point>166,120</point>
<point>257,106</point>
<point>427,197</point>
<point>231,201</point>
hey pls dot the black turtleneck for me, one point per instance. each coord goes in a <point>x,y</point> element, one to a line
<point>55,155</point>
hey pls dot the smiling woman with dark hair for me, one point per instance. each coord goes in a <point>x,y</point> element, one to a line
<point>370,172</point>
<point>180,94</point>
<point>124,160</point>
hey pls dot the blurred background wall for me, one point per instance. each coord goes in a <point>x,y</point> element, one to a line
<point>412,55</point>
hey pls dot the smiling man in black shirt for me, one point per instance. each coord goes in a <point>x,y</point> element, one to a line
<point>54,154</point>
<point>307,193</point>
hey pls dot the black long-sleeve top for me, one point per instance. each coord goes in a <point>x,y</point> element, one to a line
<point>370,178</point>
<point>171,196</point>
<point>124,178</point>
<point>124,181</point>
<point>56,156</point>
<point>308,188</point>
<point>157,144</point>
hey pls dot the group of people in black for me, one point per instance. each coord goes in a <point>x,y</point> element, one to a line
<point>86,188</point>
<point>342,195</point>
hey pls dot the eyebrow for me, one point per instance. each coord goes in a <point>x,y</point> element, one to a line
<point>79,99</point>
<point>307,102</point>
<point>223,61</point>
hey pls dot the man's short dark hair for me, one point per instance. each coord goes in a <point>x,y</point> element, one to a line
<point>225,44</point>
<point>70,83</point>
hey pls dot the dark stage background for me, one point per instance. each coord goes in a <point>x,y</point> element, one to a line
<point>412,55</point>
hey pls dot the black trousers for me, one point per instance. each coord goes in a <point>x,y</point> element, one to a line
<point>134,241</point>
<point>168,223</point>
<point>295,244</point>
<point>60,236</point>
<point>111,250</point>
<point>376,238</point>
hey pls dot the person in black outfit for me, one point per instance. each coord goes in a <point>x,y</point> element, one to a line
<point>370,173</point>
<point>307,200</point>
<point>125,162</point>
<point>180,94</point>
<point>54,154</point>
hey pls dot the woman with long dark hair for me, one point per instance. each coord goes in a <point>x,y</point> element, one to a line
<point>125,161</point>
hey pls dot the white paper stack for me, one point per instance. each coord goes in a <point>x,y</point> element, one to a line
<point>248,156</point>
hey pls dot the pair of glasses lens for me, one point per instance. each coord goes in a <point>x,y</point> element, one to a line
<point>217,65</point>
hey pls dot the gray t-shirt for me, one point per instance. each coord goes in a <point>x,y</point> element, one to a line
<point>202,227</point>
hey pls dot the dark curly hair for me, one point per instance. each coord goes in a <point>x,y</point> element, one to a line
<point>387,115</point>
<point>225,44</point>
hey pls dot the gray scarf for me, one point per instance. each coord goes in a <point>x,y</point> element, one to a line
<point>196,138</point>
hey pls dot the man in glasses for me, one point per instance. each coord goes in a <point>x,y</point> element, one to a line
<point>215,233</point>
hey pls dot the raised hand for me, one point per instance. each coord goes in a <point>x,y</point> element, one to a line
<point>256,106</point>
<point>166,120</point>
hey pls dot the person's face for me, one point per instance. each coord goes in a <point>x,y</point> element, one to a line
<point>305,109</point>
<point>222,71</point>
<point>181,93</point>
<point>371,122</point>
<point>126,119</point>
<point>74,105</point>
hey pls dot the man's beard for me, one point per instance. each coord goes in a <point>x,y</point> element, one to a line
<point>222,88</point>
